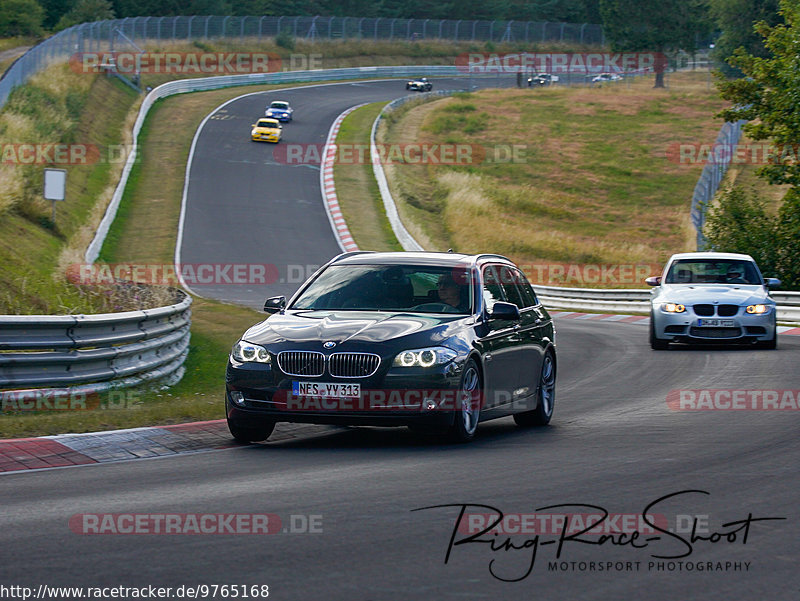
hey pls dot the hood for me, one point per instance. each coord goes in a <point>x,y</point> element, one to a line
<point>344,326</point>
<point>693,294</point>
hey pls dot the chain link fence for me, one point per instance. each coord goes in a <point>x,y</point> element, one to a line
<point>135,32</point>
<point>711,177</point>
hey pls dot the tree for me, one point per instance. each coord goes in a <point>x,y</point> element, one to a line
<point>86,11</point>
<point>660,26</point>
<point>768,97</point>
<point>735,20</point>
<point>21,17</point>
<point>740,223</point>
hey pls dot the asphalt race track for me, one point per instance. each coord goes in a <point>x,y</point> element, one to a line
<point>615,444</point>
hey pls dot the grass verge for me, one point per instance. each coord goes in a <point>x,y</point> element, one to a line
<point>356,188</point>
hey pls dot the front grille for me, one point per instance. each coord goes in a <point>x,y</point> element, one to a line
<point>704,310</point>
<point>301,363</point>
<point>727,310</point>
<point>715,332</point>
<point>353,365</point>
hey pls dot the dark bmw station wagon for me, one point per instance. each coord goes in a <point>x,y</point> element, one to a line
<point>433,341</point>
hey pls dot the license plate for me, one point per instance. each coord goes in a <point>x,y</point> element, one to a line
<point>725,323</point>
<point>335,390</point>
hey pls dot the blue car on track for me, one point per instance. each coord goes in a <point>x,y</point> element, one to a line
<point>280,110</point>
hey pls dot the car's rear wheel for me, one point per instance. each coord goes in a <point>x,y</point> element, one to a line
<point>244,435</point>
<point>468,409</point>
<point>546,396</point>
<point>657,344</point>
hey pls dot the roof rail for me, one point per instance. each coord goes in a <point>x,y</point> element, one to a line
<point>493,256</point>
<point>350,254</point>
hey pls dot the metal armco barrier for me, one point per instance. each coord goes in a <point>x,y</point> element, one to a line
<point>630,300</point>
<point>93,353</point>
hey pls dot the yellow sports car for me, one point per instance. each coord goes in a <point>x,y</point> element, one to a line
<point>266,130</point>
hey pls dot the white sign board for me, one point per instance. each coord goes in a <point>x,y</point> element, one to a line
<point>55,184</point>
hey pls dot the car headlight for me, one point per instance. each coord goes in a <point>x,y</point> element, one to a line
<point>424,357</point>
<point>673,308</point>
<point>758,309</point>
<point>245,352</point>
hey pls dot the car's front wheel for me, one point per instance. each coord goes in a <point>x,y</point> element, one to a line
<point>244,435</point>
<point>657,344</point>
<point>547,396</point>
<point>770,345</point>
<point>468,408</point>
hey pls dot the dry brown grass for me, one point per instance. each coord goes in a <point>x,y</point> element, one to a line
<point>594,187</point>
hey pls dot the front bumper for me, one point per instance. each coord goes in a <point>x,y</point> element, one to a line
<point>688,327</point>
<point>257,394</point>
<point>265,138</point>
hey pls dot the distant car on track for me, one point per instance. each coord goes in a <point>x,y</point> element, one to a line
<point>280,110</point>
<point>437,341</point>
<point>266,130</point>
<point>711,297</point>
<point>542,79</point>
<point>419,85</point>
<point>604,77</point>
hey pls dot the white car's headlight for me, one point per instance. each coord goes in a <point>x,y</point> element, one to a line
<point>245,352</point>
<point>758,309</point>
<point>424,357</point>
<point>673,308</point>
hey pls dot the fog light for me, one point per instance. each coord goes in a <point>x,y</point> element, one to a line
<point>430,404</point>
<point>237,397</point>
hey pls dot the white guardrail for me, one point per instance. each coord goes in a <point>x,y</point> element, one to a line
<point>637,300</point>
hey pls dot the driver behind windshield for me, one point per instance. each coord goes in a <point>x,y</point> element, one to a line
<point>449,291</point>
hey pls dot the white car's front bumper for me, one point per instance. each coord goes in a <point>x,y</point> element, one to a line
<point>697,324</point>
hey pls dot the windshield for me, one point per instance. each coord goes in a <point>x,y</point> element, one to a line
<point>409,288</point>
<point>720,271</point>
<point>267,124</point>
<point>282,106</point>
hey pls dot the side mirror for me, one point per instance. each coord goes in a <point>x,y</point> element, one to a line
<point>253,125</point>
<point>654,280</point>
<point>274,304</point>
<point>505,311</point>
<point>773,283</point>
